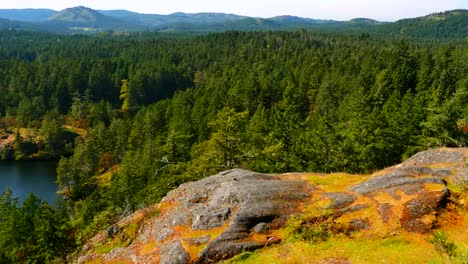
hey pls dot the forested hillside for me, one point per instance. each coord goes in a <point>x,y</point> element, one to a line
<point>155,111</point>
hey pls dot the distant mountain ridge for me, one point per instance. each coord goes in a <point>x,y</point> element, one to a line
<point>86,19</point>
<point>450,24</point>
<point>439,25</point>
<point>27,15</point>
<point>78,14</point>
<point>179,17</point>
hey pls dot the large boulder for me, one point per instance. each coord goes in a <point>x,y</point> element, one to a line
<point>239,210</point>
<point>217,217</point>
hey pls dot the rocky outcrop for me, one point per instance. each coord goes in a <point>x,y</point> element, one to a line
<point>239,210</point>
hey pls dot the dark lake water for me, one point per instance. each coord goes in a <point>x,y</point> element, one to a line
<point>24,177</point>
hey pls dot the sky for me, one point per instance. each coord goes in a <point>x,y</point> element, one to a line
<point>383,10</point>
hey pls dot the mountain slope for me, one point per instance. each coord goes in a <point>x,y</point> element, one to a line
<point>83,18</point>
<point>6,24</point>
<point>450,24</point>
<point>154,20</point>
<point>27,15</point>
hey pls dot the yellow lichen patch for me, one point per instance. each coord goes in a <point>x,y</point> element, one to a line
<point>141,215</point>
<point>363,200</point>
<point>404,197</point>
<point>374,226</point>
<point>465,151</point>
<point>213,233</point>
<point>434,187</point>
<point>181,230</point>
<point>193,250</point>
<point>166,206</point>
<point>187,234</point>
<point>336,182</point>
<point>148,248</point>
<point>398,198</point>
<point>442,165</point>
<point>97,259</point>
<point>119,262</point>
<point>384,197</point>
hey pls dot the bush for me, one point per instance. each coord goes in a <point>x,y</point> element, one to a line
<point>314,228</point>
<point>443,246</point>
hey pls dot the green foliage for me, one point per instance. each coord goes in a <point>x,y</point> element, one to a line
<point>224,148</point>
<point>443,246</point>
<point>34,232</point>
<point>124,95</point>
<point>313,228</point>
<point>54,137</point>
<point>100,221</point>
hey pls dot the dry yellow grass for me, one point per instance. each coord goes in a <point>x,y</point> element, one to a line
<point>79,131</point>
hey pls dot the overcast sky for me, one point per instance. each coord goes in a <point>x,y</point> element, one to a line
<point>388,10</point>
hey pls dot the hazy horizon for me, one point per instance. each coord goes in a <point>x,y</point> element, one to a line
<point>384,10</point>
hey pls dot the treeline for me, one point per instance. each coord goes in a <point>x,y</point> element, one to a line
<point>160,111</point>
<point>33,232</point>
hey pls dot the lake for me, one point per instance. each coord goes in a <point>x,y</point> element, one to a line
<point>24,177</point>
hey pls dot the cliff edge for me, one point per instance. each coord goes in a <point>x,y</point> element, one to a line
<point>236,211</point>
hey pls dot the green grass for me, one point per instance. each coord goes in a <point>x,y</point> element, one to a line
<point>390,250</point>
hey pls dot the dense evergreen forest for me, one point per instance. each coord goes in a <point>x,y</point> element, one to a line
<point>132,117</point>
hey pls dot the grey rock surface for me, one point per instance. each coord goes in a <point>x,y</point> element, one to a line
<point>173,253</point>
<point>236,202</point>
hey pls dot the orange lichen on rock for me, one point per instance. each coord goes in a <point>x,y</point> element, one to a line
<point>235,211</point>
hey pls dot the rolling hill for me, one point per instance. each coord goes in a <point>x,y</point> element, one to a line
<point>450,24</point>
<point>27,15</point>
<point>154,20</point>
<point>86,19</point>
